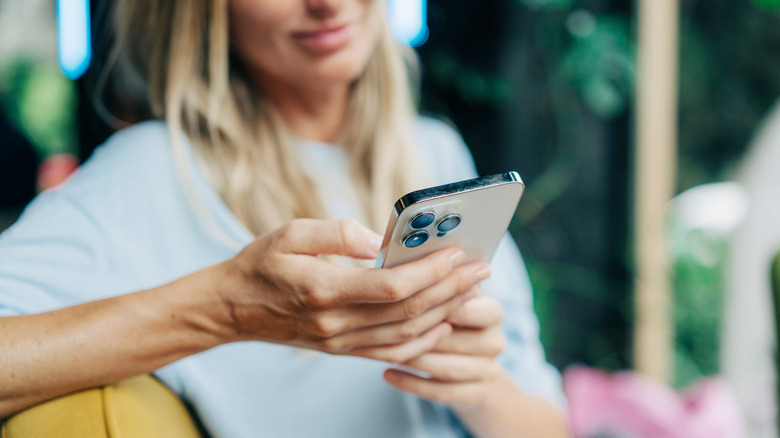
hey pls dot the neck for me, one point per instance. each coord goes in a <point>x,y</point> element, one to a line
<point>316,114</point>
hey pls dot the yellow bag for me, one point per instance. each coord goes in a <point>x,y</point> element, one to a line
<point>140,407</point>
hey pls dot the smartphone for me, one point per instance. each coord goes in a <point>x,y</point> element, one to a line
<point>473,215</point>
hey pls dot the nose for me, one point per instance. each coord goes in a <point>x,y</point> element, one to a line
<point>324,8</point>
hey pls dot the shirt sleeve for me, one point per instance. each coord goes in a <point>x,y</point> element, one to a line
<point>54,256</point>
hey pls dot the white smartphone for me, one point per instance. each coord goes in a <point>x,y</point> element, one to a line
<point>473,215</point>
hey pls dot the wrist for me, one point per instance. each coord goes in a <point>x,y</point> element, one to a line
<point>508,411</point>
<point>196,302</point>
<point>493,386</point>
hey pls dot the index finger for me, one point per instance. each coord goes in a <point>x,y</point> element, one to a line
<point>382,285</point>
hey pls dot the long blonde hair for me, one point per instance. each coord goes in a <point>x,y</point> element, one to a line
<point>181,51</point>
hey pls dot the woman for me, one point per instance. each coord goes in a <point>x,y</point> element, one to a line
<point>273,111</point>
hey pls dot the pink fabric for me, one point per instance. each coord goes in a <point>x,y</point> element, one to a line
<point>628,404</point>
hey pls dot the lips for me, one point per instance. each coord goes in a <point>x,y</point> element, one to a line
<point>325,39</point>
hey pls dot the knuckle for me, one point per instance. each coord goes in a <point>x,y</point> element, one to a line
<point>349,231</point>
<point>317,297</point>
<point>413,306</point>
<point>287,231</point>
<point>390,290</point>
<point>440,271</point>
<point>326,326</point>
<point>408,331</point>
<point>332,345</point>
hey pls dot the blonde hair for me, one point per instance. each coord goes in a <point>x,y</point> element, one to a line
<point>181,51</point>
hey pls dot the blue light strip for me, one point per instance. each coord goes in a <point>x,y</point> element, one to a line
<point>74,47</point>
<point>409,21</point>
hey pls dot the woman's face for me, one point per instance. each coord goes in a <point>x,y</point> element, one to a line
<point>306,43</point>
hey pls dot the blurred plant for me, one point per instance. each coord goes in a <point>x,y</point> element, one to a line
<point>595,61</point>
<point>473,85</point>
<point>40,101</point>
<point>701,220</point>
<point>773,5</point>
<point>590,60</point>
<point>699,257</point>
<point>601,62</point>
<point>549,4</point>
<point>728,82</point>
<point>588,286</point>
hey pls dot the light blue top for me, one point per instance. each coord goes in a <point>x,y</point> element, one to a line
<point>123,224</point>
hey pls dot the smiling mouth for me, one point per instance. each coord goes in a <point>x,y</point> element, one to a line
<point>326,40</point>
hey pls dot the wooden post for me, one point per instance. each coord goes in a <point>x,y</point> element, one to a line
<point>656,164</point>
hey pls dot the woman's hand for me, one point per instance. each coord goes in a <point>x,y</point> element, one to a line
<point>462,366</point>
<point>278,290</point>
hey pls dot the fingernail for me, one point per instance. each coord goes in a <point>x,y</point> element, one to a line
<point>482,273</point>
<point>392,376</point>
<point>457,258</point>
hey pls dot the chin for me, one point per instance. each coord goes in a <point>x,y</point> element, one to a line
<point>338,71</point>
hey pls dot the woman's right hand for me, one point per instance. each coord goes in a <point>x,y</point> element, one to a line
<point>279,290</point>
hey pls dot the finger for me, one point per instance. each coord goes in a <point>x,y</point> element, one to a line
<point>454,367</point>
<point>314,237</point>
<point>470,393</point>
<point>389,285</point>
<point>408,350</point>
<point>484,342</point>
<point>393,333</point>
<point>462,280</point>
<point>479,312</point>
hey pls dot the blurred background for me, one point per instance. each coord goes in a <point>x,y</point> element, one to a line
<point>547,88</point>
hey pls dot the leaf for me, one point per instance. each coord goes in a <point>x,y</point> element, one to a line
<point>772,5</point>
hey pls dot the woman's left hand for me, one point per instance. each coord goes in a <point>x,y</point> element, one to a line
<point>462,366</point>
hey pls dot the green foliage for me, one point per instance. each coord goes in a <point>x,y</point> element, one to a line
<point>772,5</point>
<point>728,83</point>
<point>591,287</point>
<point>699,257</point>
<point>548,4</point>
<point>40,100</point>
<point>592,55</point>
<point>600,62</point>
<point>475,86</point>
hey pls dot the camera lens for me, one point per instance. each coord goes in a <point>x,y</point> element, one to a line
<point>415,239</point>
<point>422,220</point>
<point>448,224</point>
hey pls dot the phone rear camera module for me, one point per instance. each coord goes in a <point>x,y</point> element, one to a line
<point>415,239</point>
<point>448,224</point>
<point>422,220</point>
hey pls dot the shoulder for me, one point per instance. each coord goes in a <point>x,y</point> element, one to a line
<point>131,172</point>
<point>139,146</point>
<point>130,160</point>
<point>444,149</point>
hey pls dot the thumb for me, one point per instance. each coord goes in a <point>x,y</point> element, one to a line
<point>340,237</point>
